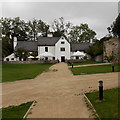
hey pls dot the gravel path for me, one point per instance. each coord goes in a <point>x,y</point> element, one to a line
<point>91,65</point>
<point>58,93</point>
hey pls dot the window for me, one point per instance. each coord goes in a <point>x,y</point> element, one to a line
<point>62,42</point>
<point>12,58</point>
<point>46,49</point>
<point>46,58</point>
<point>7,59</point>
<point>77,57</point>
<point>62,49</point>
<point>53,58</point>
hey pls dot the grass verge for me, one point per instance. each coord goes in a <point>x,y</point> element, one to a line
<point>14,72</point>
<point>15,112</point>
<point>108,108</point>
<point>94,69</point>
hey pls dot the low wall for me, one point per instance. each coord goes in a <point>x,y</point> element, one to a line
<point>78,61</point>
<point>29,62</point>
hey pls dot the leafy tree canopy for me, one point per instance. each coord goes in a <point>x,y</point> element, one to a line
<point>81,33</point>
<point>21,53</point>
<point>115,27</point>
<point>23,30</point>
<point>60,27</point>
<point>96,49</point>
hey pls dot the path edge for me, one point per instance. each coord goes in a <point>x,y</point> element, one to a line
<point>26,114</point>
<point>93,109</point>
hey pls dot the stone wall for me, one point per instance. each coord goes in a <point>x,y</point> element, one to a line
<point>112,48</point>
<point>29,62</point>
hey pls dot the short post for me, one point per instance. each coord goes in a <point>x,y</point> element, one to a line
<point>113,68</point>
<point>72,65</point>
<point>100,90</point>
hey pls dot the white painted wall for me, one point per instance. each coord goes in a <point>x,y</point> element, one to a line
<point>41,49</point>
<point>51,49</point>
<point>10,57</point>
<point>59,53</point>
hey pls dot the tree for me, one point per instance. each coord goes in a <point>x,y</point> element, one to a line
<point>34,54</point>
<point>21,53</point>
<point>6,46</point>
<point>81,33</point>
<point>96,49</point>
<point>22,30</point>
<point>115,27</point>
<point>10,28</point>
<point>13,27</point>
<point>36,27</point>
<point>60,27</point>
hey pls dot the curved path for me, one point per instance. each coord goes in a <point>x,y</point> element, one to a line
<point>58,93</point>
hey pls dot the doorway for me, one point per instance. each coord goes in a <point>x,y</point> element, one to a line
<point>62,58</point>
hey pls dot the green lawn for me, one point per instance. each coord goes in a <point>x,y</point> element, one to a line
<point>16,111</point>
<point>14,72</point>
<point>85,63</point>
<point>107,108</point>
<point>93,69</point>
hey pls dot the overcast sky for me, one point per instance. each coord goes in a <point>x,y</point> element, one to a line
<point>98,15</point>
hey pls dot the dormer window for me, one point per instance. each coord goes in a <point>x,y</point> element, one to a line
<point>46,49</point>
<point>62,42</point>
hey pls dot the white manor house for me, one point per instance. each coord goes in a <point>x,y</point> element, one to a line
<point>51,48</point>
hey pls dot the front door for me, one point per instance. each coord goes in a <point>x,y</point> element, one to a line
<point>62,58</point>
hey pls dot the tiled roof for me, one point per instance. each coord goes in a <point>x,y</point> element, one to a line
<point>79,46</point>
<point>47,41</point>
<point>28,45</point>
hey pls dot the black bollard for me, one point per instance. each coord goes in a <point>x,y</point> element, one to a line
<point>113,68</point>
<point>72,65</point>
<point>100,90</point>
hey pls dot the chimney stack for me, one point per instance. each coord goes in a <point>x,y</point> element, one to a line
<point>14,42</point>
<point>91,41</point>
<point>50,34</point>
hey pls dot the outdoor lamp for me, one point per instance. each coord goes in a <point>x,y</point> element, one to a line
<point>101,90</point>
<point>101,83</point>
<point>113,68</point>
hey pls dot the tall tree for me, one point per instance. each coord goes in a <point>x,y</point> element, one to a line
<point>6,46</point>
<point>10,28</point>
<point>60,27</point>
<point>114,29</point>
<point>82,33</point>
<point>37,27</point>
<point>97,48</point>
<point>22,30</point>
